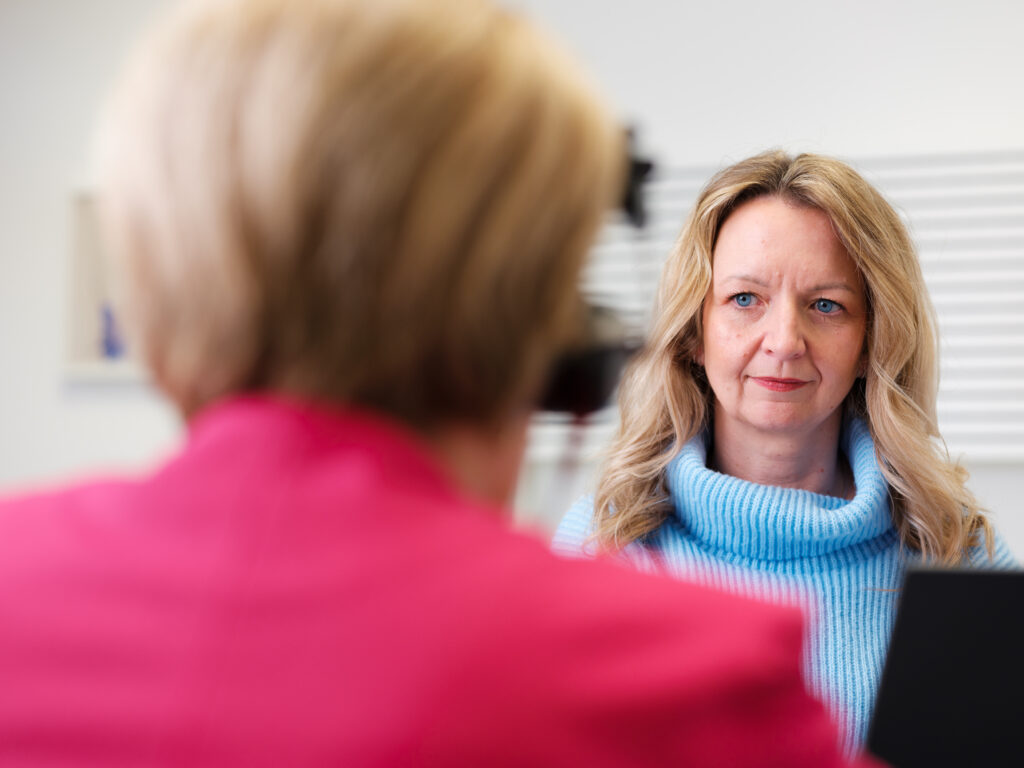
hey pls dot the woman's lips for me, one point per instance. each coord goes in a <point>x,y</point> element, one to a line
<point>779,385</point>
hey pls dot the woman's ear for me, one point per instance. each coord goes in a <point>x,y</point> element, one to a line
<point>698,356</point>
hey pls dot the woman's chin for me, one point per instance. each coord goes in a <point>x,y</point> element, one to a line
<point>790,419</point>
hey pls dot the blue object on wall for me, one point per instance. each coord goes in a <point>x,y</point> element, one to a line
<point>113,345</point>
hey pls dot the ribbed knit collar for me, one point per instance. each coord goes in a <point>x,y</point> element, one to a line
<point>767,522</point>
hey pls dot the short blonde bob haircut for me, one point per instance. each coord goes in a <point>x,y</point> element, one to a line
<point>665,398</point>
<point>375,202</point>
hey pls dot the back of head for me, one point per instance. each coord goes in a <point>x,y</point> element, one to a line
<point>379,202</point>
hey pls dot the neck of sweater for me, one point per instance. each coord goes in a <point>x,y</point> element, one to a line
<point>766,522</point>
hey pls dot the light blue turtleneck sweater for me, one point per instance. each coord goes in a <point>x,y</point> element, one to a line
<point>840,560</point>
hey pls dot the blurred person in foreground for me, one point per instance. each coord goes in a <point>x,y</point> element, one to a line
<point>350,233</point>
<point>779,435</point>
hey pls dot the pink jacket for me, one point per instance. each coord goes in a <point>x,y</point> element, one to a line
<point>302,586</point>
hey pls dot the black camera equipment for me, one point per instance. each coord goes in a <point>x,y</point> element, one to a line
<point>584,376</point>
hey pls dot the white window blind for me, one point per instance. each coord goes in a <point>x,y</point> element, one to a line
<point>966,215</point>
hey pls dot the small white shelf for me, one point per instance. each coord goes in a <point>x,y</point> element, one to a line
<point>100,371</point>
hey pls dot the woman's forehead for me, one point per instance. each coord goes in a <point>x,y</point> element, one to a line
<point>768,238</point>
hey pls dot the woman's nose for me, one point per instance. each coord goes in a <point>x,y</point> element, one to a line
<point>784,333</point>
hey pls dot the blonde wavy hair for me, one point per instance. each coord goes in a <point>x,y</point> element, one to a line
<point>377,202</point>
<point>665,399</point>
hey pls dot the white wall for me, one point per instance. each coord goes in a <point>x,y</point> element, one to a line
<point>706,82</point>
<point>712,82</point>
<point>56,57</point>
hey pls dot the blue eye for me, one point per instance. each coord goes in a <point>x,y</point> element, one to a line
<point>743,299</point>
<point>826,306</point>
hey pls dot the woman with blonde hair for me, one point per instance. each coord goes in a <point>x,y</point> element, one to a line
<point>778,435</point>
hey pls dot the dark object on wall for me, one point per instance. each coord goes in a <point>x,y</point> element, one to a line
<point>638,170</point>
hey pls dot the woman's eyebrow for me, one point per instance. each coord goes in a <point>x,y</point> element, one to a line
<point>837,286</point>
<point>840,285</point>
<point>745,279</point>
